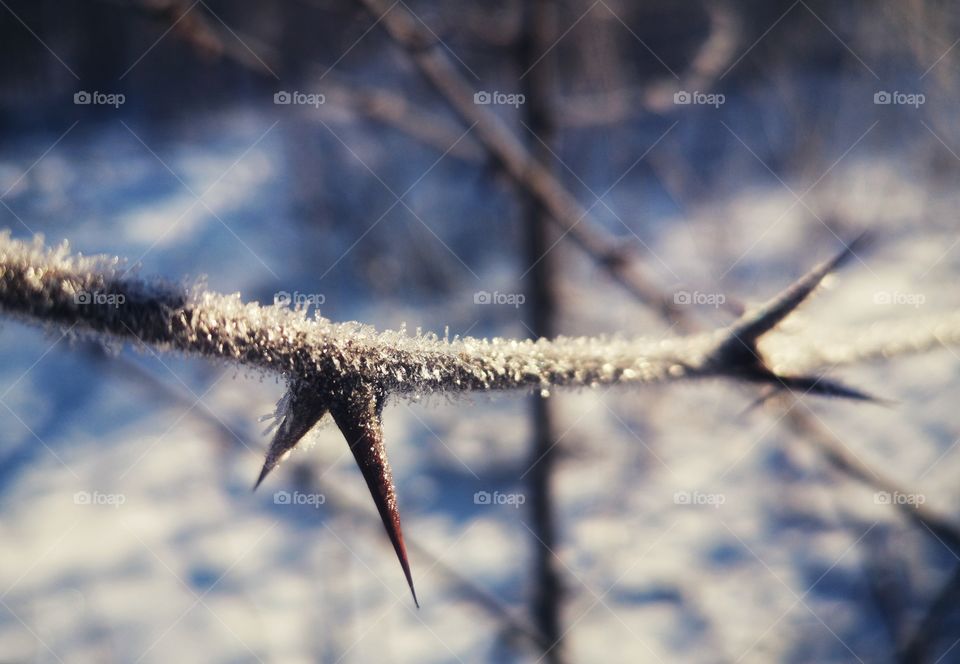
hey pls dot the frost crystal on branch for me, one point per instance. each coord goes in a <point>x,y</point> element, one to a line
<point>298,411</point>
<point>350,369</point>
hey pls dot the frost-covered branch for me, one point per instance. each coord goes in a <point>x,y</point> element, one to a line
<point>97,294</point>
<point>349,370</point>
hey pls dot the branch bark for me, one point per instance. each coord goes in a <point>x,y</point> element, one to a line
<point>98,295</point>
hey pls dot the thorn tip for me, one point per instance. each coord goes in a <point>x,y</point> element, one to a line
<point>357,414</point>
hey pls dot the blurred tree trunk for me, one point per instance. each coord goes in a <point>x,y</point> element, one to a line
<point>536,39</point>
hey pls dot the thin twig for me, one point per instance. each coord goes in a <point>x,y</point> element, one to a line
<point>919,643</point>
<point>397,112</point>
<point>713,56</point>
<point>189,22</point>
<point>565,210</point>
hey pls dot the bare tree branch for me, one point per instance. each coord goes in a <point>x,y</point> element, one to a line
<point>401,114</point>
<point>564,209</point>
<point>714,55</point>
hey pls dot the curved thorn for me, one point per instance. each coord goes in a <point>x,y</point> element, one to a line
<point>358,417</point>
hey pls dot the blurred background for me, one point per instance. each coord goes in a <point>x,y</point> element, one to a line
<point>703,154</point>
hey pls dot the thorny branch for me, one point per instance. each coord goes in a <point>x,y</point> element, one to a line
<point>350,369</point>
<point>512,621</point>
<point>847,346</point>
<point>880,341</point>
<point>97,294</point>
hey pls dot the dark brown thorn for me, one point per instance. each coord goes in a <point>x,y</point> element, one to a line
<point>826,387</point>
<point>737,354</point>
<point>802,385</point>
<point>756,322</point>
<point>358,415</point>
<point>303,410</point>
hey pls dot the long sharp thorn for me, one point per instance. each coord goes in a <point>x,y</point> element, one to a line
<point>828,388</point>
<point>358,417</point>
<point>753,324</point>
<point>737,352</point>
